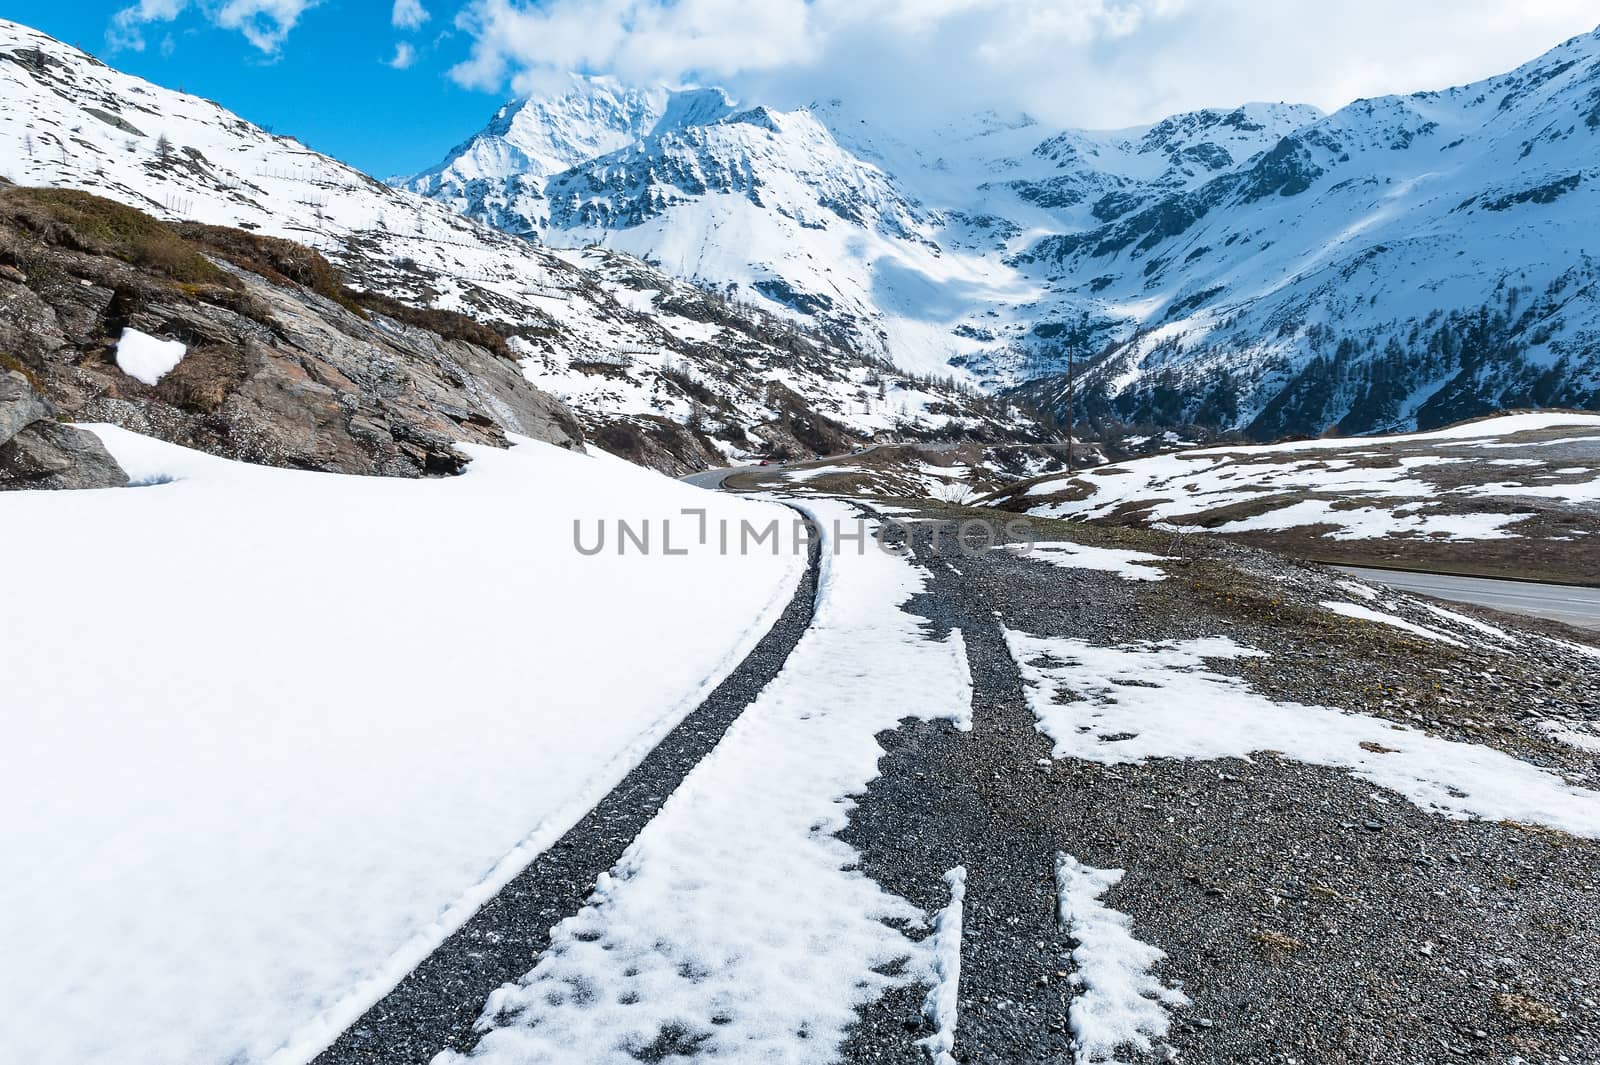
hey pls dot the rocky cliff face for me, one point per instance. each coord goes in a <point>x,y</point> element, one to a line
<point>272,371</point>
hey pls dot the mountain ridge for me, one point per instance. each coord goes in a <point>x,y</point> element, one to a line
<point>655,369</point>
<point>1214,254</point>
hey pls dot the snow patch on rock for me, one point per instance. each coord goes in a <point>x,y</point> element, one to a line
<point>147,358</point>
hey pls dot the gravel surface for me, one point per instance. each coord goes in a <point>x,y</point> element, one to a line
<point>435,1007</point>
<point>1309,916</point>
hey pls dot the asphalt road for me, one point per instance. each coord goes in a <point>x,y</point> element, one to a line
<point>711,478</point>
<point>1579,607</point>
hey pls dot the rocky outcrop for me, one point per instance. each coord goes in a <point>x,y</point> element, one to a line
<point>279,371</point>
<point>36,451</point>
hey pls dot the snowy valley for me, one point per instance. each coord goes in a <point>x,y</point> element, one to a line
<point>664,374</point>
<point>628,594</point>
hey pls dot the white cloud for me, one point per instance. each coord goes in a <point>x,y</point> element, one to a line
<point>125,24</point>
<point>404,56</point>
<point>1095,63</point>
<point>409,14</point>
<point>264,23</point>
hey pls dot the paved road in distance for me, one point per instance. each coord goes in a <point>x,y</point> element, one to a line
<point>1579,607</point>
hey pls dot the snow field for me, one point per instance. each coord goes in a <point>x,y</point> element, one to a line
<point>735,923</point>
<point>1130,565</point>
<point>1179,485</point>
<point>1121,1002</point>
<point>271,735</point>
<point>1135,701</point>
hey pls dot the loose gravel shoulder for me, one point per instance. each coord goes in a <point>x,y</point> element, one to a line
<point>1308,915</point>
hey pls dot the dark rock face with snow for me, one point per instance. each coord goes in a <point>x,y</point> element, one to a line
<point>272,371</point>
<point>1404,262</point>
<point>36,451</point>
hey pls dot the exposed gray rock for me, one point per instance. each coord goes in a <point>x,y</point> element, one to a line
<point>274,374</point>
<point>50,455</point>
<point>36,451</point>
<point>20,405</point>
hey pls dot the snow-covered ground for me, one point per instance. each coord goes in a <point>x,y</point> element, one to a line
<point>1129,702</point>
<point>1451,484</point>
<point>271,735</point>
<point>1131,565</point>
<point>736,923</point>
<point>1121,1003</point>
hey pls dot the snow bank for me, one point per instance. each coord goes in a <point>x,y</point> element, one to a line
<point>1157,700</point>
<point>271,735</point>
<point>147,359</point>
<point>737,923</point>
<point>1122,1002</point>
<point>941,1005</point>
<point>1366,613</point>
<point>1130,565</point>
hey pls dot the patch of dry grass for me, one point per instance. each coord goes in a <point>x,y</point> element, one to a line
<point>1526,1009</point>
<point>84,222</point>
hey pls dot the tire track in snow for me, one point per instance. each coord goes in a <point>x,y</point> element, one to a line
<point>435,1007</point>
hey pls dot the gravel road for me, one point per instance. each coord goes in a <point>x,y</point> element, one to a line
<point>1308,916</point>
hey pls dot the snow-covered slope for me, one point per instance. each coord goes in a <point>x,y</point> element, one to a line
<point>226,839</point>
<point>498,174</point>
<point>1405,261</point>
<point>675,383</point>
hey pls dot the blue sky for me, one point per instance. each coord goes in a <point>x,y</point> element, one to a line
<point>329,73</point>
<point>328,83</point>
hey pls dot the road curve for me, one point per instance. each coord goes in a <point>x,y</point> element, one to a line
<point>711,479</point>
<point>714,479</point>
<point>1579,607</point>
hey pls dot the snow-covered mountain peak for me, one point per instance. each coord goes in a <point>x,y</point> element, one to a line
<point>540,136</point>
<point>1222,239</point>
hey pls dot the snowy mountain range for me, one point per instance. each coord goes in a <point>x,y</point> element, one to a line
<point>1403,262</point>
<point>657,370</point>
